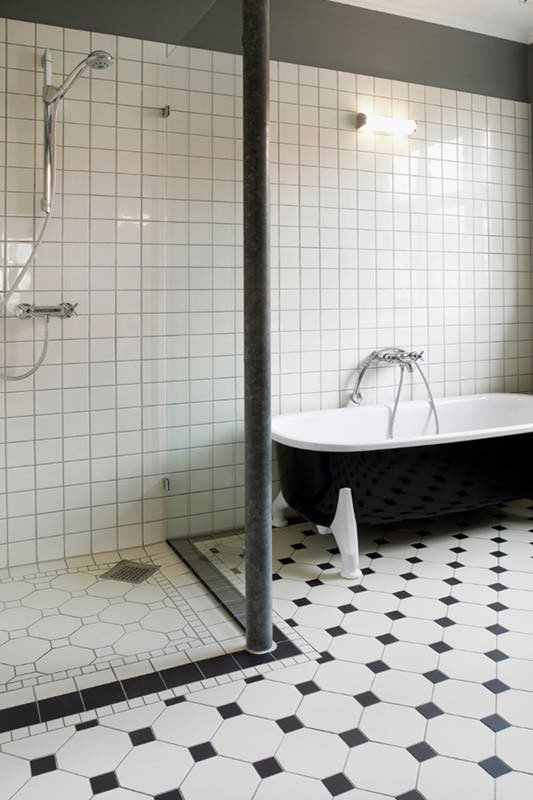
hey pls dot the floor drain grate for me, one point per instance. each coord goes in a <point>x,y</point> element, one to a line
<point>130,571</point>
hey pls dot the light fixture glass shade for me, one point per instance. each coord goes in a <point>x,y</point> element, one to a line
<point>372,123</point>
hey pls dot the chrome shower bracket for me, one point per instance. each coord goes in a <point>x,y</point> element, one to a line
<point>63,311</point>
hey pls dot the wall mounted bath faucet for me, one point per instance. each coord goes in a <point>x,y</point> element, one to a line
<point>63,311</point>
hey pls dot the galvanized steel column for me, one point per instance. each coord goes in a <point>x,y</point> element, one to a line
<point>258,459</point>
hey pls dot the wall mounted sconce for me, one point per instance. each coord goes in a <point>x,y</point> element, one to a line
<point>372,123</point>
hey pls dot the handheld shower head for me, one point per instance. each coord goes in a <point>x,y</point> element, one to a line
<point>99,59</point>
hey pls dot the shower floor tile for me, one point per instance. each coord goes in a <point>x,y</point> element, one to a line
<point>63,622</point>
<point>416,686</point>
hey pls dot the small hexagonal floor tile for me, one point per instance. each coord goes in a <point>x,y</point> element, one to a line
<point>460,737</point>
<point>140,642</point>
<point>84,606</point>
<point>312,753</point>
<point>187,724</point>
<point>59,785</point>
<point>155,768</point>
<point>62,658</point>
<point>365,768</point>
<point>270,699</point>
<point>46,598</point>
<point>23,651</point>
<point>57,626</point>
<point>442,778</point>
<point>94,751</point>
<point>13,619</point>
<point>97,634</point>
<point>247,738</point>
<point>164,619</point>
<point>331,712</point>
<point>15,772</point>
<point>392,724</point>
<point>296,787</point>
<point>204,781</point>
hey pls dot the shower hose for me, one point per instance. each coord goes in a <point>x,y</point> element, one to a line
<point>4,376</point>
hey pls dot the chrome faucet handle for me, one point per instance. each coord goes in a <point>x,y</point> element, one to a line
<point>414,356</point>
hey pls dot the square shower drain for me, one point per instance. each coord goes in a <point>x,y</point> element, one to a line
<point>130,571</point>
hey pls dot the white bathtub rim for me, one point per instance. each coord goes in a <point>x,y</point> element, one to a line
<point>397,443</point>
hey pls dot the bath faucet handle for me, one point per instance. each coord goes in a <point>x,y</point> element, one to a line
<point>414,356</point>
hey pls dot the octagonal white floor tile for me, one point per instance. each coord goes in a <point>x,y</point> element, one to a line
<point>464,699</point>
<point>13,619</point>
<point>519,598</point>
<point>331,712</point>
<point>206,779</point>
<point>57,626</point>
<point>392,724</point>
<point>297,673</point>
<point>74,581</point>
<point>428,587</point>
<point>410,656</point>
<point>23,651</point>
<point>94,751</point>
<point>247,738</point>
<point>125,794</point>
<point>134,718</point>
<point>381,768</point>
<point>14,772</point>
<point>84,606</point>
<point>108,588</point>
<point>384,582</point>
<point>318,616</point>
<point>422,631</point>
<point>187,724</point>
<point>516,673</point>
<point>6,673</point>
<point>62,658</point>
<point>515,747</point>
<point>296,787</point>
<point>45,598</point>
<point>218,695</point>
<point>164,619</point>
<point>269,699</point>
<point>343,677</point>
<point>300,572</point>
<point>312,753</point>
<point>367,623</point>
<point>473,593</point>
<point>354,647</point>
<point>516,707</point>
<point>147,593</point>
<point>289,590</point>
<point>460,737</point>
<point>97,634</point>
<point>140,642</point>
<point>465,666</point>
<point>514,786</point>
<point>124,613</point>
<point>155,768</point>
<point>57,785</point>
<point>15,590</point>
<point>38,745</point>
<point>468,637</point>
<point>326,595</point>
<point>442,778</point>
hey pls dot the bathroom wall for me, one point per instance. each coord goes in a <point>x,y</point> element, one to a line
<point>422,242</point>
<point>84,440</point>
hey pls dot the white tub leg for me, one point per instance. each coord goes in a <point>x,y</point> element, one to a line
<point>322,530</point>
<point>279,506</point>
<point>344,529</point>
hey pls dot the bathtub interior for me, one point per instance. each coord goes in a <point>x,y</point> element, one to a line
<point>471,417</point>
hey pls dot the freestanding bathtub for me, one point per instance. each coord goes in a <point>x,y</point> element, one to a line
<point>337,467</point>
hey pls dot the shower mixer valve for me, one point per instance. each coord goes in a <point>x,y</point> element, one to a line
<point>63,311</point>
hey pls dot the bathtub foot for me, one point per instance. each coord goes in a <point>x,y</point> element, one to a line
<point>344,529</point>
<point>279,506</point>
<point>322,530</point>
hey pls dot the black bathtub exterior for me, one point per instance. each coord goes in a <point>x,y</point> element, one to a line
<point>407,482</point>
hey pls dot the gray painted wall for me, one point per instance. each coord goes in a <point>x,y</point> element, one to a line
<point>315,32</point>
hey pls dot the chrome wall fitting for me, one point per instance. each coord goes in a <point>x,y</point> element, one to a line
<point>63,311</point>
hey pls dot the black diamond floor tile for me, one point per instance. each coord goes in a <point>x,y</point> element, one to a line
<point>141,736</point>
<point>495,766</point>
<point>267,767</point>
<point>429,710</point>
<point>288,724</point>
<point>104,783</point>
<point>353,737</point>
<point>337,784</point>
<point>229,710</point>
<point>495,723</point>
<point>200,752</point>
<point>38,766</point>
<point>367,699</point>
<point>307,687</point>
<point>496,686</point>
<point>421,751</point>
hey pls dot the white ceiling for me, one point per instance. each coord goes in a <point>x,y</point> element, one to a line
<point>507,19</point>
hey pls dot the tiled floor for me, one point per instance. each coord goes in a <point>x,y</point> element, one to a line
<point>423,689</point>
<point>63,621</point>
